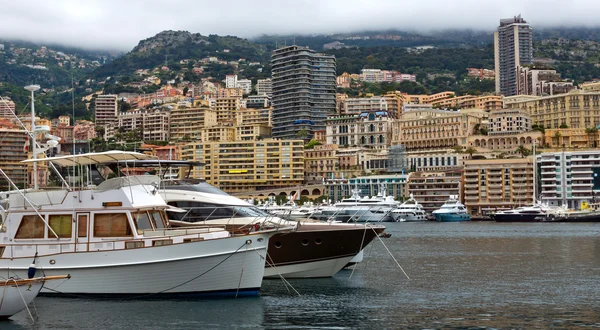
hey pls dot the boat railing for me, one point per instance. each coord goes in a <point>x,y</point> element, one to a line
<point>199,215</point>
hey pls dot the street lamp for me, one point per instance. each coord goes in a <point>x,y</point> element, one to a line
<point>32,89</point>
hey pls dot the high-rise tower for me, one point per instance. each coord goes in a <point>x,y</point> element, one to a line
<point>513,46</point>
<point>303,91</point>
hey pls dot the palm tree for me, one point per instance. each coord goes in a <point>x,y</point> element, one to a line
<point>458,149</point>
<point>523,151</point>
<point>592,132</point>
<point>471,151</point>
<point>557,136</point>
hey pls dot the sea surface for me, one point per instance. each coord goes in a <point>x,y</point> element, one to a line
<point>462,275</point>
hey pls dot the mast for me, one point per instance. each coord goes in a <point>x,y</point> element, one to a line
<point>534,168</point>
<point>32,89</point>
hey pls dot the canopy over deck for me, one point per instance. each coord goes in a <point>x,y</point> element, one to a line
<point>94,158</point>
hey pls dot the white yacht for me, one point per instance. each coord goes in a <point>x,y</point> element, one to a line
<point>115,239</point>
<point>410,210</point>
<point>452,211</point>
<point>359,209</point>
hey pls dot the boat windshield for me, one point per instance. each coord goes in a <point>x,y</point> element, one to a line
<point>193,185</point>
<point>199,211</point>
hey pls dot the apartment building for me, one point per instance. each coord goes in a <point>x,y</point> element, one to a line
<point>426,161</point>
<point>426,128</point>
<point>513,47</point>
<point>303,91</point>
<point>432,189</point>
<point>508,121</point>
<point>242,166</point>
<point>245,85</point>
<point>227,109</point>
<point>258,101</point>
<point>357,105</point>
<point>372,129</point>
<point>264,87</point>
<point>217,133</point>
<point>261,116</point>
<point>377,75</point>
<point>540,81</point>
<point>106,109</point>
<point>494,184</point>
<point>320,163</point>
<point>395,185</point>
<point>485,102</point>
<point>231,81</point>
<point>7,108</point>
<point>428,99</point>
<point>13,141</point>
<point>569,178</point>
<point>185,123</point>
<point>575,109</point>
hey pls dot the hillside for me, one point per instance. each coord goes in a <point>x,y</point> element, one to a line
<point>171,47</point>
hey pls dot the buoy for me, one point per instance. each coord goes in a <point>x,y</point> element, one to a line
<point>31,271</point>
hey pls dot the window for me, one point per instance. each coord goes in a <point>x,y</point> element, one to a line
<point>157,219</point>
<point>142,220</point>
<point>111,225</point>
<point>31,226</point>
<point>82,224</point>
<point>61,224</point>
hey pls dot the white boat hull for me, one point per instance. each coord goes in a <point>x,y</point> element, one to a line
<point>14,299</point>
<point>226,266</point>
<point>408,217</point>
<point>314,269</point>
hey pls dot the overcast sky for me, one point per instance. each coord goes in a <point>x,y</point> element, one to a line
<point>120,24</point>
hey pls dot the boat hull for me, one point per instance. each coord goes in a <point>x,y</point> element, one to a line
<point>516,217</point>
<point>408,217</point>
<point>15,298</point>
<point>452,217</point>
<point>317,250</point>
<point>226,266</point>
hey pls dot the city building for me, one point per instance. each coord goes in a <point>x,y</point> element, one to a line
<point>227,108</point>
<point>425,161</point>
<point>258,101</point>
<point>426,128</point>
<point>481,73</point>
<point>367,129</point>
<point>576,109</point>
<point>340,188</point>
<point>7,108</point>
<point>185,123</point>
<point>241,166</point>
<point>432,189</point>
<point>231,81</point>
<point>513,47</point>
<point>485,102</point>
<point>571,138</point>
<point>106,109</point>
<point>357,105</point>
<point>13,142</point>
<point>320,163</point>
<point>245,85</point>
<point>495,184</point>
<point>569,178</point>
<point>264,87</point>
<point>532,80</point>
<point>303,91</point>
<point>377,76</point>
<point>508,121</point>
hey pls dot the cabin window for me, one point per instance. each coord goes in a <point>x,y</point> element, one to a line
<point>61,224</point>
<point>31,226</point>
<point>142,220</point>
<point>111,225</point>
<point>157,219</point>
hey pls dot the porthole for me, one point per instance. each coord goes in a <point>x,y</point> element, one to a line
<point>278,244</point>
<point>305,242</point>
<point>318,241</point>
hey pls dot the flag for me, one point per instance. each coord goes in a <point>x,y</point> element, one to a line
<point>26,146</point>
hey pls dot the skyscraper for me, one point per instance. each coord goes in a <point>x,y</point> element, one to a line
<point>303,91</point>
<point>513,46</point>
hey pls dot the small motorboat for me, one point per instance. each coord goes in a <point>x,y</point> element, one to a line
<point>17,293</point>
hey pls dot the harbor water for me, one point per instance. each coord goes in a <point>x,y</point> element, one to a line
<point>477,274</point>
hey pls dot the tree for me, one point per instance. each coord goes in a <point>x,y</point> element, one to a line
<point>471,151</point>
<point>523,151</point>
<point>458,149</point>
<point>592,133</point>
<point>557,136</point>
<point>539,128</point>
<point>302,134</point>
<point>563,125</point>
<point>185,90</point>
<point>311,144</point>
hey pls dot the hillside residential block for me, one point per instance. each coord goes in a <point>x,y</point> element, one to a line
<point>513,46</point>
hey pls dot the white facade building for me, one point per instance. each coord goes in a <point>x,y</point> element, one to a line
<point>231,81</point>
<point>245,85</point>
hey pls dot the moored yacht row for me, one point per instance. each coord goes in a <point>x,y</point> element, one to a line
<point>137,235</point>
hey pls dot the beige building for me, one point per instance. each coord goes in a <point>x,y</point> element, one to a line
<point>540,81</point>
<point>185,123</point>
<point>153,125</point>
<point>420,129</point>
<point>320,163</point>
<point>492,184</point>
<point>7,108</point>
<point>576,109</point>
<point>450,100</point>
<point>241,166</point>
<point>12,143</point>
<point>227,108</point>
<point>106,109</point>
<point>432,189</point>
<point>571,138</point>
<point>508,122</point>
<point>372,129</point>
